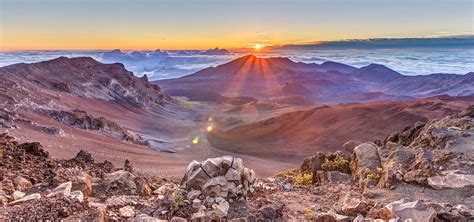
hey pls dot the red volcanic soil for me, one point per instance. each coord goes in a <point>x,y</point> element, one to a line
<point>292,136</point>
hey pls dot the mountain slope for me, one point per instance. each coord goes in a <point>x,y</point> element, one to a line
<point>250,76</point>
<point>376,73</point>
<point>297,134</point>
<point>86,77</point>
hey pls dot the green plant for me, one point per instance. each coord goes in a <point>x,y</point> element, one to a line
<point>178,202</point>
<point>304,179</point>
<point>290,172</point>
<point>373,175</point>
<point>309,214</point>
<point>338,164</point>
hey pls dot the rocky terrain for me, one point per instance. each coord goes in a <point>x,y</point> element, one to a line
<point>423,173</point>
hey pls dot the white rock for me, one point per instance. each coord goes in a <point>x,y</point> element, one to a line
<point>18,195</point>
<point>451,180</point>
<point>61,190</point>
<point>414,211</point>
<point>77,195</point>
<point>34,196</point>
<point>127,212</point>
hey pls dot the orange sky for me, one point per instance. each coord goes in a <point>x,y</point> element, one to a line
<point>202,24</point>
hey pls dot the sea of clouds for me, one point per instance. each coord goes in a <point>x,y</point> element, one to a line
<point>161,64</point>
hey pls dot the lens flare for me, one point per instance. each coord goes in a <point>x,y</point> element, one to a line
<point>196,140</point>
<point>209,128</point>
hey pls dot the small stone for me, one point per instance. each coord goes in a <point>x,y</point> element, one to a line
<point>83,182</point>
<point>21,183</point>
<point>353,206</point>
<point>178,219</point>
<point>18,195</point>
<point>77,195</point>
<point>287,186</point>
<point>146,218</point>
<point>127,212</point>
<point>61,190</point>
<point>3,198</point>
<point>197,203</point>
<point>221,208</point>
<point>193,194</point>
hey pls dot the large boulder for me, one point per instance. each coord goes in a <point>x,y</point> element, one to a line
<point>396,160</point>
<point>413,211</point>
<point>451,180</point>
<point>213,183</point>
<point>365,162</point>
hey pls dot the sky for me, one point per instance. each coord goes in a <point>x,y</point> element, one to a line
<point>202,24</point>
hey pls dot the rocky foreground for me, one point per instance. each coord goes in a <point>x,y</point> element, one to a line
<point>424,173</point>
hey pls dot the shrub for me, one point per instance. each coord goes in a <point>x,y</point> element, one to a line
<point>373,175</point>
<point>290,172</point>
<point>178,202</point>
<point>304,179</point>
<point>309,214</point>
<point>338,164</point>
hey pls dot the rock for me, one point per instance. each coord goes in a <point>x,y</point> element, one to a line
<point>365,158</point>
<point>331,217</point>
<point>21,183</point>
<point>270,213</point>
<point>352,205</point>
<point>465,211</point>
<point>35,196</point>
<point>396,160</point>
<point>121,181</point>
<point>227,162</point>
<point>213,186</point>
<point>146,218</point>
<point>287,186</point>
<point>61,190</point>
<point>451,180</point>
<point>165,189</point>
<point>335,177</point>
<point>197,203</point>
<point>230,179</point>
<point>35,149</point>
<point>77,195</point>
<point>3,198</point>
<point>120,201</point>
<point>350,145</point>
<point>212,166</point>
<point>84,157</point>
<point>196,180</point>
<point>193,194</point>
<point>18,195</point>
<point>233,175</point>
<point>238,164</point>
<point>415,211</point>
<point>359,218</point>
<point>221,208</point>
<point>82,182</point>
<point>127,212</point>
<point>178,219</point>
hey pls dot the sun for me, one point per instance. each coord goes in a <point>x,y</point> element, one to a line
<point>257,47</point>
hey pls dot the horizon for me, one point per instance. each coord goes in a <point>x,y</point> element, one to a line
<point>174,25</point>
